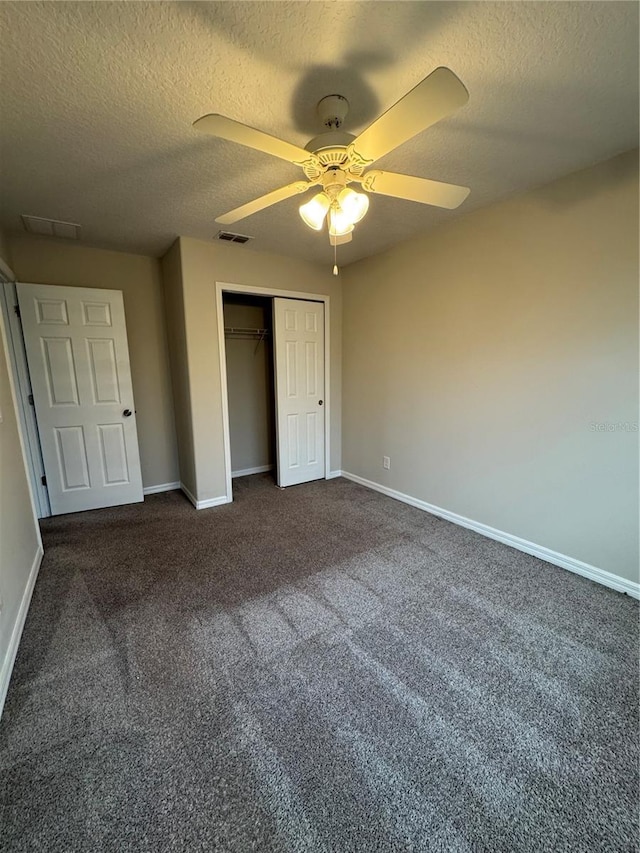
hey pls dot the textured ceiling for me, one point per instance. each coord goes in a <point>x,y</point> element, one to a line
<point>97,102</point>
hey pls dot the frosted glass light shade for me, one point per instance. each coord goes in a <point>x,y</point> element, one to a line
<point>339,223</point>
<point>314,211</point>
<point>354,204</point>
<point>338,241</point>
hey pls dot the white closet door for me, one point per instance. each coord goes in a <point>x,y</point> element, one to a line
<point>299,357</point>
<point>78,356</point>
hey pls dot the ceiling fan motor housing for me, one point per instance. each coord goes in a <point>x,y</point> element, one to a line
<point>330,146</point>
<point>332,111</point>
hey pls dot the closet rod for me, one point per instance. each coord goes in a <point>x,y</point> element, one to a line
<point>234,330</point>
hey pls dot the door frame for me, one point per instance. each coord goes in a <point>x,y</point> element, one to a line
<point>19,371</point>
<point>223,287</point>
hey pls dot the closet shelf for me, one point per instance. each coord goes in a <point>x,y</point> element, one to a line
<point>249,333</point>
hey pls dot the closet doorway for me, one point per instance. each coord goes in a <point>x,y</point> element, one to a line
<point>248,334</point>
<point>274,373</point>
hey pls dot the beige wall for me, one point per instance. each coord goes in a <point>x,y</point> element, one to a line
<point>43,261</point>
<point>177,341</point>
<point>5,252</point>
<point>479,357</point>
<point>19,536</point>
<point>202,264</point>
<point>250,388</point>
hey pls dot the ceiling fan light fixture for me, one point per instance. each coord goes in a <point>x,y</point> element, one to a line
<point>339,223</point>
<point>314,211</point>
<point>335,158</point>
<point>338,241</point>
<point>353,204</point>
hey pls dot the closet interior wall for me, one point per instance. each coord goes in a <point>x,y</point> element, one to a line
<point>250,385</point>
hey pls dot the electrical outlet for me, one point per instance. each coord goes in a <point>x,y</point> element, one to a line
<point>386,462</point>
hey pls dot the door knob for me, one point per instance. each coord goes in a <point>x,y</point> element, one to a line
<point>127,413</point>
<point>319,402</point>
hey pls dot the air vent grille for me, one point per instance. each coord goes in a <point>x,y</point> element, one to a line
<point>230,237</point>
<point>51,227</point>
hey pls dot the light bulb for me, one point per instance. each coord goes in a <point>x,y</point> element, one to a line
<point>314,211</point>
<point>339,223</point>
<point>353,204</point>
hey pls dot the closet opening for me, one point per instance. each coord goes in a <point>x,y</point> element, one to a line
<point>274,377</point>
<point>248,334</point>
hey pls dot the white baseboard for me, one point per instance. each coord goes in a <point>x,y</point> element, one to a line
<point>163,487</point>
<point>333,474</point>
<point>223,499</point>
<point>189,495</point>
<point>577,566</point>
<point>16,634</point>
<point>260,469</point>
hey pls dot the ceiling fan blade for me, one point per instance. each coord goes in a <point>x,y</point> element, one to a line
<point>264,201</point>
<point>235,131</point>
<point>436,97</point>
<point>415,189</point>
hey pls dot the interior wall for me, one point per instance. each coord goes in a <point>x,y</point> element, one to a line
<point>40,260</point>
<point>250,385</point>
<point>171,266</point>
<point>5,250</point>
<point>495,361</point>
<point>20,548</point>
<point>202,265</point>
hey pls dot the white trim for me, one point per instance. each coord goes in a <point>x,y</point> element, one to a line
<point>273,291</point>
<point>223,499</point>
<point>222,353</point>
<point>333,474</point>
<point>23,447</point>
<point>562,560</point>
<point>6,272</point>
<point>259,469</point>
<point>228,287</point>
<point>17,363</point>
<point>18,626</point>
<point>163,487</point>
<point>327,386</point>
<point>189,495</point>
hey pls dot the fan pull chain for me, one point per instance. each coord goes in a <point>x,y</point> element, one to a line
<point>335,259</point>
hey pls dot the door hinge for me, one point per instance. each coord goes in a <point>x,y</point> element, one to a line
<point>43,480</point>
<point>16,309</point>
<point>30,399</point>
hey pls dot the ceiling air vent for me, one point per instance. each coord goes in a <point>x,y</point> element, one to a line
<point>51,227</point>
<point>230,237</point>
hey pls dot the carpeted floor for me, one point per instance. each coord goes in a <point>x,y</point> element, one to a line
<point>316,669</point>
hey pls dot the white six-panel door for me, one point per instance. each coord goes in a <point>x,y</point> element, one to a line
<point>78,356</point>
<point>299,357</point>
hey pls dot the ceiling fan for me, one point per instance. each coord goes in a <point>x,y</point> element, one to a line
<point>335,159</point>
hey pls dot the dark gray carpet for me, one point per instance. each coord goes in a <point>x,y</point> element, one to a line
<point>316,669</point>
